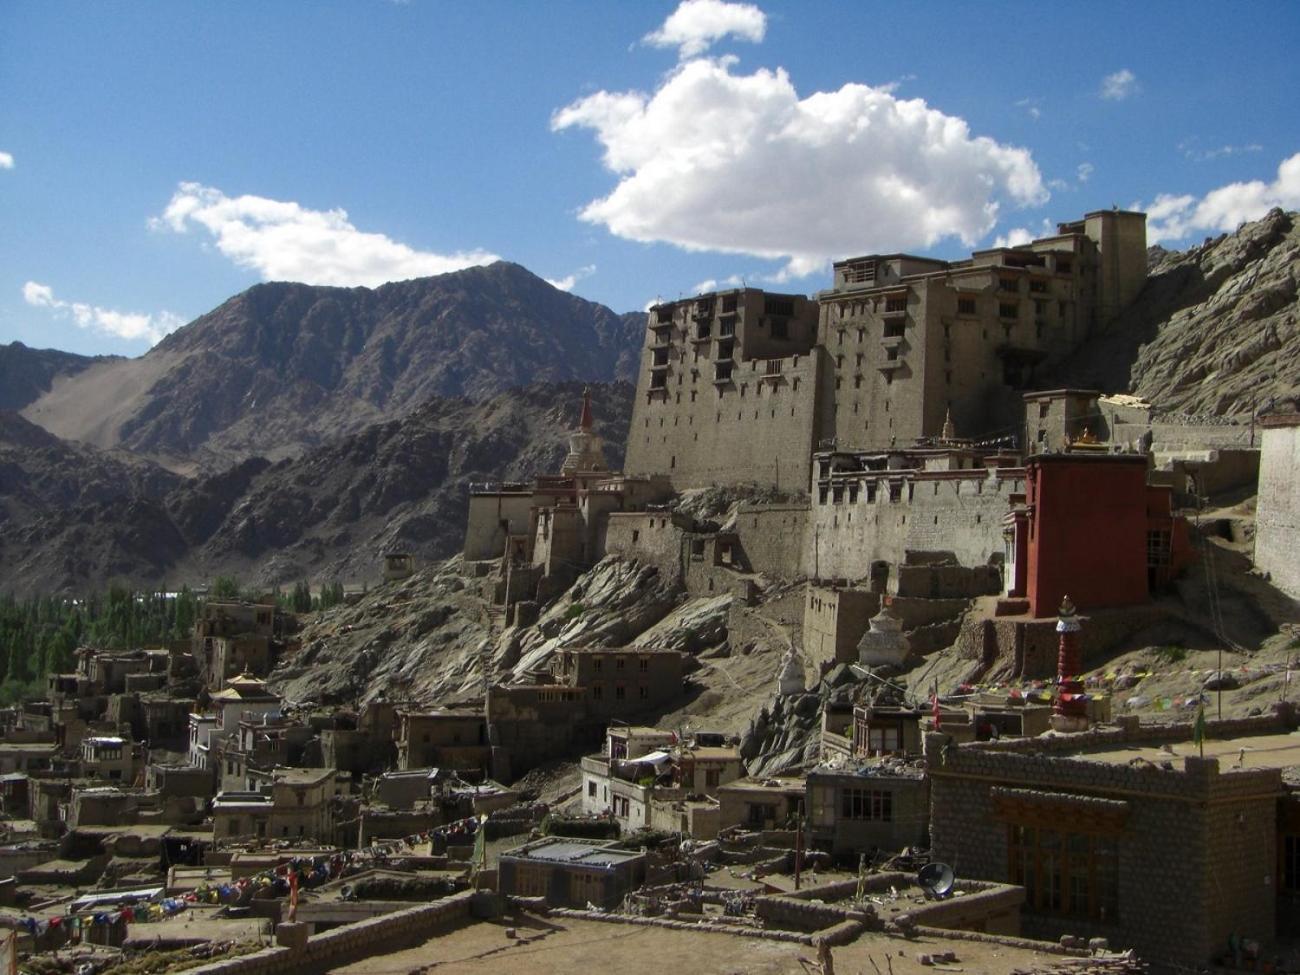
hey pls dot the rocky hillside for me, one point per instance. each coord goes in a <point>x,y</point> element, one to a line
<point>282,368</point>
<point>333,511</point>
<point>1216,331</point>
<point>27,374</point>
<point>73,517</point>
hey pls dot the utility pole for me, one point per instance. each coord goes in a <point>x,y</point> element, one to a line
<point>798,846</point>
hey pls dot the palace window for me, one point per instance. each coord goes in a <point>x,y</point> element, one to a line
<point>965,306</point>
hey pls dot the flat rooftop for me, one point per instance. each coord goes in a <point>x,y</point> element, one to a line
<point>562,946</point>
<point>1276,751</point>
<point>782,784</point>
<point>585,853</point>
<point>711,753</point>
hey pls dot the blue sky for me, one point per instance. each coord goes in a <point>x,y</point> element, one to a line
<point>157,158</point>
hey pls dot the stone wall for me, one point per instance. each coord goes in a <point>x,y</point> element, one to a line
<point>652,538</point>
<point>1028,648</point>
<point>958,513</point>
<point>351,942</point>
<point>772,538</point>
<point>761,428</point>
<point>484,535</point>
<point>833,623</point>
<point>1277,510</point>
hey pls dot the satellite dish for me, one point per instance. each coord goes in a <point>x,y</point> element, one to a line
<point>936,879</point>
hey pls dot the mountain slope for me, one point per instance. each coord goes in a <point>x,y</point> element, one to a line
<point>281,367</point>
<point>73,518</point>
<point>71,512</point>
<point>26,374</point>
<point>1215,331</point>
<point>333,511</point>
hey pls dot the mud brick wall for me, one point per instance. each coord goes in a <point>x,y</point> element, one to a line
<point>351,942</point>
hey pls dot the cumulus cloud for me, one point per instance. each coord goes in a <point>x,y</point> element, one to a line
<point>123,325</point>
<point>1085,171</point>
<point>284,241</point>
<point>567,282</point>
<point>1014,237</point>
<point>1118,86</point>
<point>740,163</point>
<point>6,160</point>
<point>1174,217</point>
<point>698,24</point>
<point>713,284</point>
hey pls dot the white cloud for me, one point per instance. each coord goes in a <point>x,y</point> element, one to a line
<point>1173,217</point>
<point>1032,107</point>
<point>1192,152</point>
<point>713,284</point>
<point>123,325</point>
<point>283,241</point>
<point>1085,171</point>
<point>697,24</point>
<point>1118,86</point>
<point>740,163</point>
<point>1014,237</point>
<point>6,160</point>
<point>567,282</point>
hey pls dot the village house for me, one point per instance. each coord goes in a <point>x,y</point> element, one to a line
<point>260,743</point>
<point>571,872</point>
<point>530,724</point>
<point>232,638</point>
<point>646,779</point>
<point>447,738</point>
<point>244,697</point>
<point>1102,829</point>
<point>769,803</point>
<point>620,681</point>
<point>112,757</point>
<point>877,806</point>
<point>293,803</point>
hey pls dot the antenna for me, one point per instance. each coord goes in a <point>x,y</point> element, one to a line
<point>936,879</point>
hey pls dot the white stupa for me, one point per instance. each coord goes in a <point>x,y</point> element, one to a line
<point>790,678</point>
<point>884,644</point>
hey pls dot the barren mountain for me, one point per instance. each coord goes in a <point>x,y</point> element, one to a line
<point>1215,331</point>
<point>27,374</point>
<point>281,367</point>
<point>69,513</point>
<point>404,483</point>
<point>74,518</point>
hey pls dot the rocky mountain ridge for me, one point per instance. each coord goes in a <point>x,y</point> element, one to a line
<point>282,368</point>
<point>26,374</point>
<point>74,518</point>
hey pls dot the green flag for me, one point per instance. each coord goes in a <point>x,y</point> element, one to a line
<point>480,850</point>
<point>1198,729</point>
